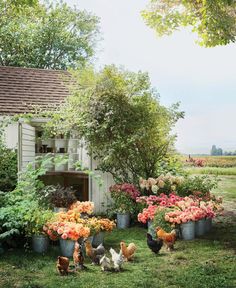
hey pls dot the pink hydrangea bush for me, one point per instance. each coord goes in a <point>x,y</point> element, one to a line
<point>126,188</point>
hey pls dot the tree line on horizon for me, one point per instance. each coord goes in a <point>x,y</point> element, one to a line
<point>219,152</point>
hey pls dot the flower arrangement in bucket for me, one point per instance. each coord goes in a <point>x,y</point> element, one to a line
<point>83,207</point>
<point>68,229</point>
<point>124,202</point>
<point>69,226</point>
<point>98,227</point>
<point>36,218</point>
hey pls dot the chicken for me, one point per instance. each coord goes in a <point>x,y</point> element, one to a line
<point>117,259</point>
<point>63,265</point>
<point>78,256</point>
<point>154,245</point>
<point>105,263</point>
<point>168,238</point>
<point>128,252</point>
<point>95,254</point>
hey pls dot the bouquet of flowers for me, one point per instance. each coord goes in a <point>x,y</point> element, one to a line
<point>66,230</point>
<point>147,214</point>
<point>192,213</point>
<point>161,200</point>
<point>124,196</point>
<point>86,207</point>
<point>106,224</point>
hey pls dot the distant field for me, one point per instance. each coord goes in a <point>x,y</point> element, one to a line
<point>215,161</point>
<point>212,170</point>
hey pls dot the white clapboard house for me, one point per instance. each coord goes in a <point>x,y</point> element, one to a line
<point>20,90</point>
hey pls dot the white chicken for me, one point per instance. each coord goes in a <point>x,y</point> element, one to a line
<point>117,259</point>
<point>105,263</point>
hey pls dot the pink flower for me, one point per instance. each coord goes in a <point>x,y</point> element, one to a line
<point>64,236</point>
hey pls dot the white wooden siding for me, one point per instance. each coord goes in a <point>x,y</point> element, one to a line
<point>26,145</point>
<point>100,194</point>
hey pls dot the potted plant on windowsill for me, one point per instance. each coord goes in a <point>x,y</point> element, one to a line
<point>36,218</point>
<point>124,202</point>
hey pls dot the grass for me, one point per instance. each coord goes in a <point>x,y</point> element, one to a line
<point>207,262</point>
<point>212,170</point>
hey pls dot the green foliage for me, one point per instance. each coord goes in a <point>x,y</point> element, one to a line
<point>193,184</point>
<point>214,21</point>
<point>125,127</point>
<point>8,169</point>
<point>36,219</point>
<point>46,35</point>
<point>159,220</point>
<point>122,203</point>
<point>8,161</point>
<point>19,205</point>
<point>216,151</point>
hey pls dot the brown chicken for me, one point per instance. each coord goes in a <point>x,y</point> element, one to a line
<point>128,252</point>
<point>63,265</point>
<point>95,254</point>
<point>78,256</point>
<point>168,238</point>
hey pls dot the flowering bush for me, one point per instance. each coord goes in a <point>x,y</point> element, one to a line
<point>83,207</point>
<point>163,184</point>
<point>124,196</point>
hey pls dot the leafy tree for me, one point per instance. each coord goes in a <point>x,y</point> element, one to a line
<point>46,36</point>
<point>213,20</point>
<point>216,151</point>
<point>125,127</point>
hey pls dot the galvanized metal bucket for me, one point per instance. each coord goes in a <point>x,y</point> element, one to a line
<point>188,230</point>
<point>60,209</point>
<point>123,220</point>
<point>67,247</point>
<point>208,224</point>
<point>40,243</point>
<point>98,239</point>
<point>200,227</point>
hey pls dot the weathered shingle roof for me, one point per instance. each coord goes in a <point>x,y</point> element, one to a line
<point>23,88</point>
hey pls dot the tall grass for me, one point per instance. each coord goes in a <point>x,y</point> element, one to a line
<point>212,170</point>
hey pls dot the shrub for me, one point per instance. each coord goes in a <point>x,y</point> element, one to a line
<point>192,184</point>
<point>8,169</point>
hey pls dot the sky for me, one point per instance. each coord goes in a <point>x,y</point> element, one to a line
<point>202,79</point>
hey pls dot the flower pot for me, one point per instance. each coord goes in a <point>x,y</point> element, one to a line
<point>98,239</point>
<point>200,227</point>
<point>208,224</point>
<point>60,209</point>
<point>188,230</point>
<point>40,243</point>
<point>123,220</point>
<point>67,247</point>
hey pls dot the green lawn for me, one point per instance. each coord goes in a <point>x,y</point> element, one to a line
<point>208,262</point>
<point>212,170</point>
